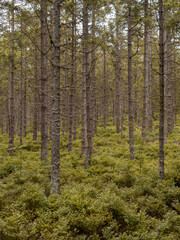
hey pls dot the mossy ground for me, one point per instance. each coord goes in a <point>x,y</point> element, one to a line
<point>113,199</point>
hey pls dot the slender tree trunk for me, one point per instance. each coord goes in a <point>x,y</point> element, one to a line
<point>75,77</point>
<point>117,105</point>
<point>25,97</point>
<point>7,116</point>
<point>21,93</point>
<point>44,130</point>
<point>65,95</point>
<point>113,111</point>
<point>93,75</point>
<point>122,107</point>
<point>150,84</point>
<point>105,91</point>
<point>71,99</point>
<point>165,78</point>
<point>161,83</point>
<point>136,96</point>
<point>169,86</point>
<point>35,112</point>
<point>55,159</point>
<point>11,94</point>
<point>84,79</point>
<point>89,117</point>
<point>146,52</point>
<point>130,89</point>
<point>174,90</point>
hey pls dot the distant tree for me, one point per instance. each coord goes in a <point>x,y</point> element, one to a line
<point>117,69</point>
<point>130,86</point>
<point>72,81</point>
<point>84,78</point>
<point>35,113</point>
<point>21,90</point>
<point>161,88</point>
<point>146,72</point>
<point>11,92</point>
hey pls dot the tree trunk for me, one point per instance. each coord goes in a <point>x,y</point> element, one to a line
<point>161,83</point>
<point>71,98</point>
<point>165,78</point>
<point>93,76</point>
<point>174,90</point>
<point>105,91</point>
<point>130,89</point>
<point>25,97</point>
<point>21,93</point>
<point>11,94</point>
<point>55,158</point>
<point>122,107</point>
<point>44,130</point>
<point>146,52</point>
<point>84,79</point>
<point>117,105</point>
<point>169,107</point>
<point>75,112</point>
<point>35,115</point>
<point>150,83</point>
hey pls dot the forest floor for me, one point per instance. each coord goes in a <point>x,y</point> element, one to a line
<point>113,199</point>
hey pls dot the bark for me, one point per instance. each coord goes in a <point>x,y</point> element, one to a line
<point>136,104</point>
<point>75,112</point>
<point>84,79</point>
<point>64,100</point>
<point>93,75</point>
<point>25,98</point>
<point>71,98</point>
<point>146,51</point>
<point>65,95</point>
<point>165,78</point>
<point>11,93</point>
<point>35,112</point>
<point>117,105</point>
<point>174,90</point>
<point>44,130</point>
<point>55,153</point>
<point>130,88</point>
<point>150,83</point>
<point>7,116</point>
<point>161,83</point>
<point>21,93</point>
<point>122,108</point>
<point>169,86</point>
<point>105,90</point>
<point>113,111</point>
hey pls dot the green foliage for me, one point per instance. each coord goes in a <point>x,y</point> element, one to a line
<point>113,199</point>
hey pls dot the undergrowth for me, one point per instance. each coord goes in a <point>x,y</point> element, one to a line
<point>113,199</point>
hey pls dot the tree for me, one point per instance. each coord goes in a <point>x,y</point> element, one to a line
<point>11,93</point>
<point>93,74</point>
<point>55,159</point>
<point>117,74</point>
<point>72,87</point>
<point>130,90</point>
<point>35,120</point>
<point>104,83</point>
<point>84,79</point>
<point>161,89</point>
<point>21,91</point>
<point>44,130</point>
<point>146,64</point>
